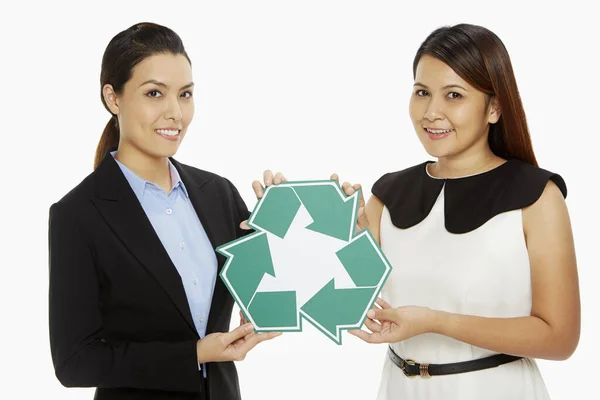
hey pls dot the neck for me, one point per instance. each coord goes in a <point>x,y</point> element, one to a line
<point>465,164</point>
<point>147,167</point>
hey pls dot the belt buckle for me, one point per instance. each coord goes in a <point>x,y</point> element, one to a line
<point>423,369</point>
<point>408,362</point>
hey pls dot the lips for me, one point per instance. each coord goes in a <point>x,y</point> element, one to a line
<point>437,134</point>
<point>168,131</point>
<point>168,134</point>
<point>438,131</point>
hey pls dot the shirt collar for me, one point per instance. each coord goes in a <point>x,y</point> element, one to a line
<point>138,185</point>
<point>176,179</point>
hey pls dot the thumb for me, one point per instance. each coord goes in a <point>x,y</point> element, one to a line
<point>244,225</point>
<point>361,200</point>
<point>362,215</point>
<point>362,222</point>
<point>238,333</point>
<point>389,314</point>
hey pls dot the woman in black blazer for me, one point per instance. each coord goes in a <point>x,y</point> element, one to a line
<point>124,315</point>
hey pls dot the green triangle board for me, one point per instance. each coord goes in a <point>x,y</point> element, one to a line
<point>305,261</point>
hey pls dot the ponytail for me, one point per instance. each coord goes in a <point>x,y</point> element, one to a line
<point>108,141</point>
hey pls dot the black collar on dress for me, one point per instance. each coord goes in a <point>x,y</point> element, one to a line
<point>469,202</point>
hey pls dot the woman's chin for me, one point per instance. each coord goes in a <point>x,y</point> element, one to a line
<point>437,151</point>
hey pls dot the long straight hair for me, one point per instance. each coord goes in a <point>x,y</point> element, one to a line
<point>479,57</point>
<point>126,50</point>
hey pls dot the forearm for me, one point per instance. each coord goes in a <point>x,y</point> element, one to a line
<point>152,365</point>
<point>528,336</point>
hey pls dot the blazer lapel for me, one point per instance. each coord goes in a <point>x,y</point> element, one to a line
<point>208,206</point>
<point>122,211</point>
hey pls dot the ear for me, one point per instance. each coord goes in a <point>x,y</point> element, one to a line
<point>110,97</point>
<point>493,111</point>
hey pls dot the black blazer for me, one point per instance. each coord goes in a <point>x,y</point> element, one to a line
<point>119,317</point>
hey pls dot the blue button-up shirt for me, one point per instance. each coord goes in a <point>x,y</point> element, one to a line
<point>179,229</point>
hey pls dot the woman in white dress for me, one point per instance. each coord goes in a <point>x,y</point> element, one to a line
<point>484,275</point>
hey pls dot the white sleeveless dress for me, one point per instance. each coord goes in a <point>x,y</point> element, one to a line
<point>483,272</point>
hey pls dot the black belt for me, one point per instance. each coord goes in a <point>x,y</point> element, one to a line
<point>412,369</point>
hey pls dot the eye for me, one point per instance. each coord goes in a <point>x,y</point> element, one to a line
<point>421,92</point>
<point>153,93</point>
<point>454,95</point>
<point>187,94</point>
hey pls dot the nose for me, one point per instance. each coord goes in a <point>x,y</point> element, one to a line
<point>434,110</point>
<point>173,109</point>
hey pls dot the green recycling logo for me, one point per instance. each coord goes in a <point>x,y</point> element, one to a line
<point>305,261</point>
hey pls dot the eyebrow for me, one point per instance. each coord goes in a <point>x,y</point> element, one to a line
<point>445,87</point>
<point>189,85</point>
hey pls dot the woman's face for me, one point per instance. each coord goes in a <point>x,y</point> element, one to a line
<point>450,116</point>
<point>156,105</point>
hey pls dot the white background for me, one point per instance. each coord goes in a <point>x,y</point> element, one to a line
<point>305,87</point>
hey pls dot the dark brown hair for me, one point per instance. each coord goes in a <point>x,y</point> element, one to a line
<point>478,56</point>
<point>126,50</point>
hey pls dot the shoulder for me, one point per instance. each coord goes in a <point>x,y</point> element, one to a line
<point>79,194</point>
<point>529,182</point>
<point>547,224</point>
<point>548,205</point>
<point>394,182</point>
<point>522,186</point>
<point>75,206</point>
<point>515,185</point>
<point>401,176</point>
<point>220,187</point>
<point>201,177</point>
<point>470,202</point>
<point>408,194</point>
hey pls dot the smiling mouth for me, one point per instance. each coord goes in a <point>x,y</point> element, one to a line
<point>168,132</point>
<point>437,134</point>
<point>438,131</point>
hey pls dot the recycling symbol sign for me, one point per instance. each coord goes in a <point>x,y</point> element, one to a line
<point>305,261</point>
